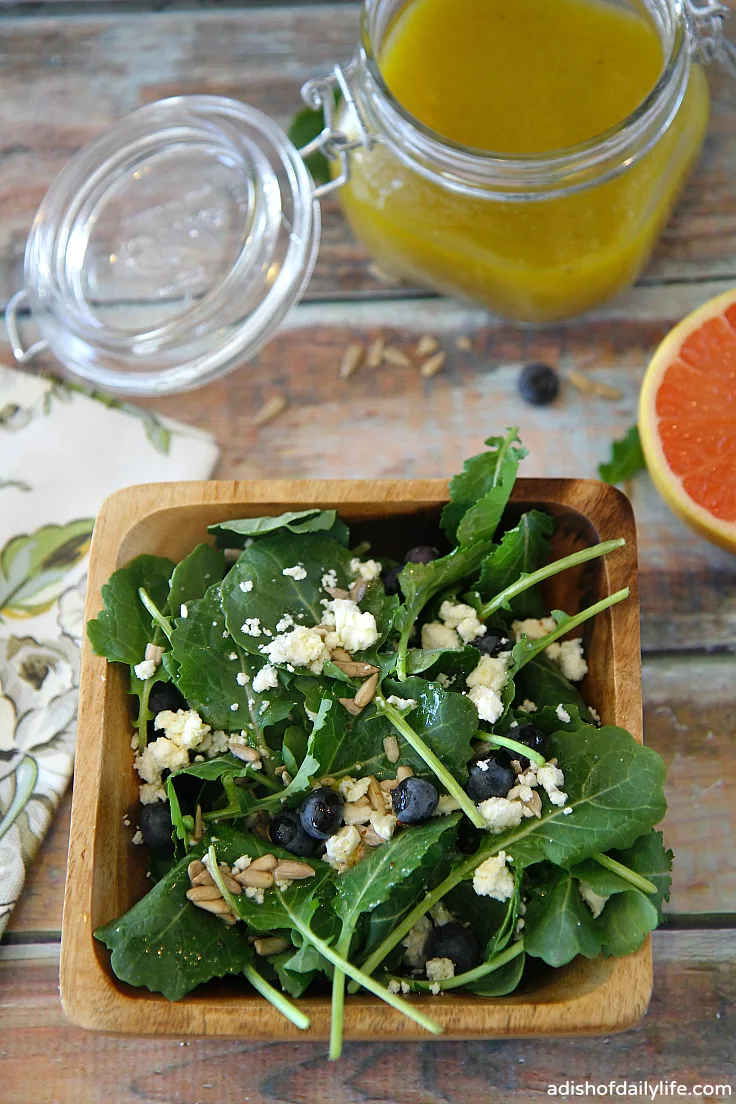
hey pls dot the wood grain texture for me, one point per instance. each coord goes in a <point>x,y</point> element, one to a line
<point>63,80</point>
<point>688,1035</point>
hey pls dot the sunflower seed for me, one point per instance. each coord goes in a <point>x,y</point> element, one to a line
<point>242,751</point>
<point>426,345</point>
<point>391,748</point>
<point>367,691</point>
<point>577,379</point>
<point>328,780</point>
<point>154,652</point>
<point>229,883</point>
<point>434,365</point>
<point>337,592</point>
<point>195,867</point>
<point>355,670</point>
<point>395,357</point>
<point>203,893</point>
<point>606,391</point>
<point>463,343</point>
<point>270,410</point>
<point>198,825</point>
<point>349,704</point>
<point>350,362</point>
<point>266,862</point>
<point>404,772</point>
<point>271,945</point>
<point>219,908</point>
<point>341,656</point>
<point>535,804</point>
<point>255,879</point>
<point>357,591</point>
<point>371,838</point>
<point>375,796</point>
<point>388,784</point>
<point>293,870</point>
<point>353,813</point>
<point>375,353</point>
<point>204,878</point>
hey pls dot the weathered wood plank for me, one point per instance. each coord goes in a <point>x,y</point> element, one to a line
<point>687,1036</point>
<point>689,718</point>
<point>63,80</point>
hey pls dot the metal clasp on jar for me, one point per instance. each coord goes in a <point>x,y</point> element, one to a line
<point>708,43</point>
<point>335,143</point>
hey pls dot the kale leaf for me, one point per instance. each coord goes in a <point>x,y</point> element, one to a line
<point>124,626</point>
<point>197,572</point>
<point>479,495</point>
<point>235,534</point>
<point>627,458</point>
<point>522,550</point>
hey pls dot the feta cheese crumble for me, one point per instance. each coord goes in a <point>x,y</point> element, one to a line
<point>266,679</point>
<point>286,622</point>
<point>436,635</point>
<point>298,572</point>
<point>492,672</point>
<point>493,879</point>
<point>441,914</point>
<point>185,728</point>
<point>383,824</point>
<point>440,969</point>
<point>446,805</point>
<point>534,628</point>
<point>595,902</point>
<point>342,846</point>
<point>500,813</point>
<point>562,714</point>
<point>183,612</point>
<point>329,579</point>
<point>353,789</point>
<point>302,647</point>
<point>456,615</point>
<point>146,669</point>
<point>551,778</point>
<point>353,630</point>
<point>487,702</point>
<point>367,569</point>
<point>528,706</point>
<point>251,626</point>
<point>246,586</point>
<point>402,703</point>
<point>569,656</point>
<point>415,941</point>
<point>241,678</point>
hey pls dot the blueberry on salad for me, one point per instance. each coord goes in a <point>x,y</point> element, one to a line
<point>311,780</point>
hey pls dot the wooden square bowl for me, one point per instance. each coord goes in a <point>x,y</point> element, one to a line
<point>106,874</point>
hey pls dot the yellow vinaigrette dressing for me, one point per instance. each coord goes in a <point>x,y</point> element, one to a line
<point>513,78</point>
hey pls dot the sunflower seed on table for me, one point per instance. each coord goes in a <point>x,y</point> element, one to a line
<point>270,410</point>
<point>295,871</point>
<point>434,365</point>
<point>197,894</point>
<point>350,362</point>
<point>375,353</point>
<point>349,704</point>
<point>426,345</point>
<point>395,357</point>
<point>606,391</point>
<point>265,862</point>
<point>581,382</point>
<point>271,945</point>
<point>391,748</point>
<point>255,879</point>
<point>367,691</point>
<point>463,343</point>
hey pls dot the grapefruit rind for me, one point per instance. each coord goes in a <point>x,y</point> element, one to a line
<point>669,485</point>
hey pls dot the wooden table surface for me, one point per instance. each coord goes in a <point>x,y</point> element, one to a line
<point>66,71</point>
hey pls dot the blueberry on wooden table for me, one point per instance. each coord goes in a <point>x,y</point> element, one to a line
<point>164,695</point>
<point>490,776</point>
<point>390,579</point>
<point>414,800</point>
<point>285,830</point>
<point>492,642</point>
<point>455,942</point>
<point>531,737</point>
<point>321,813</point>
<point>539,384</point>
<point>155,824</point>
<point>422,554</point>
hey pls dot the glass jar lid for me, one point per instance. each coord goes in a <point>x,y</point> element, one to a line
<point>168,251</point>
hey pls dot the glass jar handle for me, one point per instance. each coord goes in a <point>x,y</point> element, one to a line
<point>708,43</point>
<point>334,143</point>
<point>21,354</point>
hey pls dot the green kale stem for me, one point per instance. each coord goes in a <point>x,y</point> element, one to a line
<point>142,722</point>
<point>357,975</point>
<point>277,999</point>
<point>439,770</point>
<point>163,622</point>
<point>532,648</point>
<point>338,995</point>
<point>470,976</point>
<point>624,872</point>
<point>502,599</point>
<point>514,745</point>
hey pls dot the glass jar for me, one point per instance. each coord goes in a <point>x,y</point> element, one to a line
<point>168,251</point>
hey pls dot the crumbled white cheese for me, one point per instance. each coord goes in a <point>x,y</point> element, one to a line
<point>215,743</point>
<point>520,793</point>
<point>527,706</point>
<point>241,678</point>
<point>456,615</point>
<point>353,630</point>
<point>241,864</point>
<point>436,635</point>
<point>440,969</point>
<point>569,656</point>
<point>160,755</point>
<point>298,572</point>
<point>342,845</point>
<point>137,837</point>
<point>302,647</point>
<point>286,622</point>
<point>567,811</point>
<point>492,671</point>
<point>183,612</point>
<point>251,626</point>
<point>266,679</point>
<point>415,941</point>
<point>353,789</point>
<point>594,714</point>
<point>534,628</point>
<point>394,986</point>
<point>441,914</point>
<point>367,569</point>
<point>146,669</point>
<point>329,579</point>
<point>562,714</point>
<point>150,792</point>
<point>444,680</point>
<point>402,703</point>
<point>254,894</point>
<point>435,989</point>
<point>446,805</point>
<point>595,902</point>
<point>500,813</point>
<point>487,702</point>
<point>551,778</point>
<point>246,586</point>
<point>383,824</point>
<point>232,656</point>
<point>234,707</point>
<point>493,879</point>
<point>185,728</point>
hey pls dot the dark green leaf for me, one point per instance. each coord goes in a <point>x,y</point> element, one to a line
<point>294,748</point>
<point>454,663</point>
<point>501,982</point>
<point>196,573</point>
<point>522,550</point>
<point>484,914</point>
<point>479,495</point>
<point>446,721</point>
<point>647,857</point>
<point>307,125</point>
<point>627,458</point>
<point>547,720</point>
<point>542,681</point>
<point>235,534</point>
<point>626,921</point>
<point>124,626</point>
<point>559,925</point>
<point>213,769</point>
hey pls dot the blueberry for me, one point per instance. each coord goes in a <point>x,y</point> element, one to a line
<point>490,776</point>
<point>155,824</point>
<point>321,813</point>
<point>286,831</point>
<point>531,737</point>
<point>539,384</point>
<point>422,554</point>
<point>455,942</point>
<point>390,579</point>
<point>492,642</point>
<point>414,800</point>
<point>164,695</point>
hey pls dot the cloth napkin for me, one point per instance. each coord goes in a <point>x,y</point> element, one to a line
<point>62,451</point>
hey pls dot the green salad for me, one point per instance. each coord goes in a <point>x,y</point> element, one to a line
<point>358,774</point>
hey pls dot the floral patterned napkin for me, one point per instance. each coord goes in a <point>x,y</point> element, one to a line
<point>62,451</point>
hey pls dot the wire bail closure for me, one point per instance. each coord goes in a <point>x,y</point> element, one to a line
<point>334,143</point>
<point>708,43</point>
